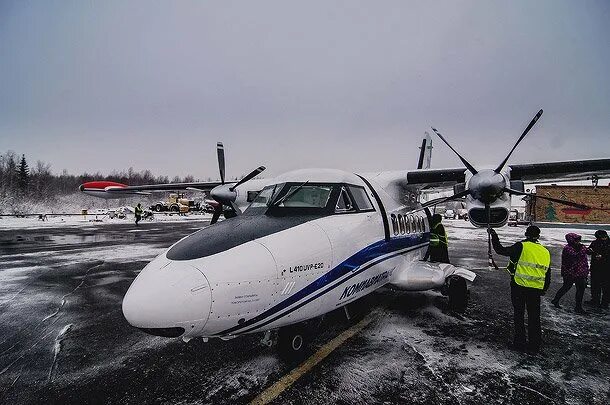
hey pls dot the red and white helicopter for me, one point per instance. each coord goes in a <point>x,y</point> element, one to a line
<point>307,242</point>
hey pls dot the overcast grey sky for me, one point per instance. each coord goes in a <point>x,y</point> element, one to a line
<point>103,85</point>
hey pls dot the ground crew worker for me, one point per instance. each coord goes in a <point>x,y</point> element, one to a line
<point>529,267</point>
<point>437,249</point>
<point>138,213</point>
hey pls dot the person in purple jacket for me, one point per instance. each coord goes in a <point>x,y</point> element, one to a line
<point>574,270</point>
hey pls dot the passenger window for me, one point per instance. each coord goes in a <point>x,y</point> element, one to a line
<point>401,224</point>
<point>344,203</point>
<point>420,227</point>
<point>408,221</point>
<point>394,224</point>
<point>361,198</point>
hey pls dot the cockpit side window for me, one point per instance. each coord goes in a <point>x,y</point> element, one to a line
<point>263,199</point>
<point>362,200</point>
<point>344,203</point>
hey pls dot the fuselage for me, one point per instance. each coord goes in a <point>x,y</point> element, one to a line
<point>310,242</point>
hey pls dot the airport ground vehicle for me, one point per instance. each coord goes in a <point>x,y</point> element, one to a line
<point>176,202</point>
<point>449,214</point>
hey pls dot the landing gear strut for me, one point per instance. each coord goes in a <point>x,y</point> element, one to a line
<point>458,293</point>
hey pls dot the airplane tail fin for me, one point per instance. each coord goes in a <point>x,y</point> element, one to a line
<point>425,153</point>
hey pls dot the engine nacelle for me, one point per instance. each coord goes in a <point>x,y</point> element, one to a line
<point>498,212</point>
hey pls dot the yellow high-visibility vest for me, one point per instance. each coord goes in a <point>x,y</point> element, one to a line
<point>436,238</point>
<point>530,270</point>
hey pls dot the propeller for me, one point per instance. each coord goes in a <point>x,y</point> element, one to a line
<point>225,194</point>
<point>531,124</point>
<point>249,176</point>
<point>557,200</point>
<point>487,186</point>
<point>468,165</point>
<point>220,152</point>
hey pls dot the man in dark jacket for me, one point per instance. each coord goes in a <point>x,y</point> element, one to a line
<point>600,269</point>
<point>437,250</point>
<point>138,213</point>
<point>529,267</point>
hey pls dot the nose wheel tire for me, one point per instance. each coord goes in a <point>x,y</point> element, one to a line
<point>292,342</point>
<point>458,294</point>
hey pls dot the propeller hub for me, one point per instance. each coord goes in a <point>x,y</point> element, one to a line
<point>487,186</point>
<point>223,194</point>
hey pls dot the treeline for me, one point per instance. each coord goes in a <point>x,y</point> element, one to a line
<point>20,178</point>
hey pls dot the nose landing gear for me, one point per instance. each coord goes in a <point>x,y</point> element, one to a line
<point>292,341</point>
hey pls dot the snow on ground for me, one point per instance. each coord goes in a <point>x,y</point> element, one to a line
<point>92,220</point>
<point>131,252</point>
<point>464,230</point>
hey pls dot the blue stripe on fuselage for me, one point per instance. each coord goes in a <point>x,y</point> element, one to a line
<point>352,263</point>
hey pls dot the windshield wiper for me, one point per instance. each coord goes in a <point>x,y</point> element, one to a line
<point>270,200</point>
<point>289,194</point>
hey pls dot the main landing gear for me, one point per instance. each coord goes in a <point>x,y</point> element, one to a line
<point>456,289</point>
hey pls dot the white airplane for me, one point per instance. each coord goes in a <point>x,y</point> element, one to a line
<point>315,240</point>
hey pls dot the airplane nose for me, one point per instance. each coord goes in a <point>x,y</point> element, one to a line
<point>168,300</point>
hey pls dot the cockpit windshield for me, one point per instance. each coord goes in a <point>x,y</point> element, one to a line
<point>307,199</point>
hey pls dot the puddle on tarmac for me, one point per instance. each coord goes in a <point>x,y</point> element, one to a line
<point>64,239</point>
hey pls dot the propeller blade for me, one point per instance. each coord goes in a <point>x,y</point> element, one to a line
<point>441,200</point>
<point>531,124</point>
<point>250,175</point>
<point>216,215</point>
<point>464,161</point>
<point>557,200</point>
<point>235,208</point>
<point>220,151</point>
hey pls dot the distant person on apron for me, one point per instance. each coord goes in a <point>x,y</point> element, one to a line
<point>138,213</point>
<point>600,270</point>
<point>574,270</point>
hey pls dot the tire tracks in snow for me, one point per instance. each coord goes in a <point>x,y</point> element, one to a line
<point>65,296</point>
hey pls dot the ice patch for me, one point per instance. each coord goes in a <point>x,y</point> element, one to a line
<point>57,347</point>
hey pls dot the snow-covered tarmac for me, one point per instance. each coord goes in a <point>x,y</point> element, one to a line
<point>63,337</point>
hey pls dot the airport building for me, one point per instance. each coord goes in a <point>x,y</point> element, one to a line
<point>598,198</point>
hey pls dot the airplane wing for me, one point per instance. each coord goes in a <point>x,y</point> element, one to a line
<point>200,186</point>
<point>561,171</point>
<point>550,171</point>
<point>146,189</point>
